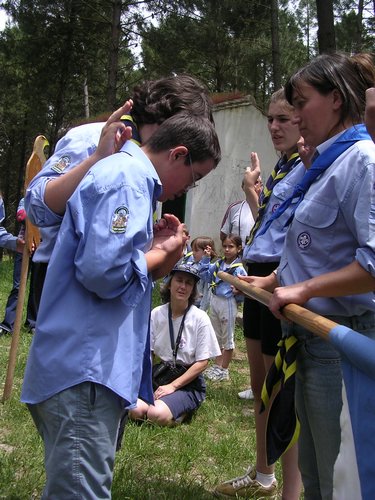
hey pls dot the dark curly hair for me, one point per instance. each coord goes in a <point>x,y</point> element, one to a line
<point>156,100</point>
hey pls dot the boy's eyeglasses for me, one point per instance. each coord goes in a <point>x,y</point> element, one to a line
<point>194,183</point>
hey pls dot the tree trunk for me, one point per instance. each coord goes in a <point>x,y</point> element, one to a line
<point>308,29</point>
<point>275,44</point>
<point>326,32</point>
<point>114,54</point>
<point>358,31</point>
<point>63,77</point>
<point>86,102</point>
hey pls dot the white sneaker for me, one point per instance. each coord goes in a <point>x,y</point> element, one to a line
<point>246,394</point>
<point>221,375</point>
<point>212,371</point>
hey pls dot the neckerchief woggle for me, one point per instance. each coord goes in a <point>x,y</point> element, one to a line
<point>229,270</point>
<point>321,163</point>
<point>129,122</point>
<point>186,257</point>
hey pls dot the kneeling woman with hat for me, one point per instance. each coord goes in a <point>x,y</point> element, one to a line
<point>181,335</point>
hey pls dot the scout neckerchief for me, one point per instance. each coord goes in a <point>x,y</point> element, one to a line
<point>282,423</point>
<point>320,164</point>
<point>282,168</point>
<point>230,270</point>
<point>186,257</point>
<point>175,344</point>
<point>129,122</point>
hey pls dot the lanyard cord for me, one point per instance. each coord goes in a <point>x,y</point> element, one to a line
<point>175,345</point>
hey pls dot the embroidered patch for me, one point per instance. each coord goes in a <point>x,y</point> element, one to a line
<point>61,164</point>
<point>275,207</point>
<point>119,220</point>
<point>303,240</point>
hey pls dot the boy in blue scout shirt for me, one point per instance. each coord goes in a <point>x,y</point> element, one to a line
<point>90,356</point>
<point>47,194</point>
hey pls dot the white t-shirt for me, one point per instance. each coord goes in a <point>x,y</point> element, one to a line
<point>198,341</point>
<point>238,220</point>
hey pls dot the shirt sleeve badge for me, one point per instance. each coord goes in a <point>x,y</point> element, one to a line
<point>119,220</point>
<point>61,164</point>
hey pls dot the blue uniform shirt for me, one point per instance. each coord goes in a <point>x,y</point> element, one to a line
<point>334,226</point>
<point>7,240</point>
<point>268,246</point>
<point>78,144</point>
<point>93,321</point>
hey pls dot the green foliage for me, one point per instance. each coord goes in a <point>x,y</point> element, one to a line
<point>355,30</point>
<point>46,55</point>
<point>51,52</point>
<point>226,44</point>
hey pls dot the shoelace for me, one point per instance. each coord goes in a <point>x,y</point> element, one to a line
<point>242,481</point>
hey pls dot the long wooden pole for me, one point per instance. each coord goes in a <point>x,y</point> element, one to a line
<point>32,239</point>
<point>311,321</point>
<point>17,325</point>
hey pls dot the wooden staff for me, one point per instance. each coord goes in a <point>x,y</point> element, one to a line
<point>311,321</point>
<point>32,240</point>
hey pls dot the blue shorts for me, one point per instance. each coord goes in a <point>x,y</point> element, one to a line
<point>184,401</point>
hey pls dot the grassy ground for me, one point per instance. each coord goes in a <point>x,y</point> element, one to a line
<point>185,462</point>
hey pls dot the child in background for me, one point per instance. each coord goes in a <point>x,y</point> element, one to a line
<point>6,326</point>
<point>187,257</point>
<point>198,245</point>
<point>7,240</point>
<point>223,304</point>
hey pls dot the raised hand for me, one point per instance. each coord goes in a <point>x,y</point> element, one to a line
<point>115,133</point>
<point>252,173</point>
<point>207,252</point>
<point>305,152</point>
<point>252,184</point>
